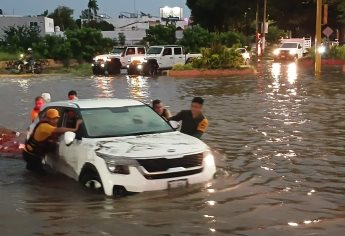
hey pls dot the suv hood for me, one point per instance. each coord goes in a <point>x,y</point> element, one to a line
<point>105,56</point>
<point>173,144</point>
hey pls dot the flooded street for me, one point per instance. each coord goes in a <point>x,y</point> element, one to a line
<point>280,135</point>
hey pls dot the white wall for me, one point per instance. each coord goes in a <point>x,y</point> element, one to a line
<point>132,36</point>
<point>46,25</point>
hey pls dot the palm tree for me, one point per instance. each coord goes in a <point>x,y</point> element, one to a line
<point>93,7</point>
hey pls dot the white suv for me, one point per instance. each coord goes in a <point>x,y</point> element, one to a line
<point>123,146</point>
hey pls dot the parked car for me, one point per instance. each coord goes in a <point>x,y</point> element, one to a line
<point>245,54</point>
<point>124,146</point>
<point>159,58</point>
<point>105,64</point>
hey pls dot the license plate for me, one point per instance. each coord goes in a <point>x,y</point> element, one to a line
<point>177,184</point>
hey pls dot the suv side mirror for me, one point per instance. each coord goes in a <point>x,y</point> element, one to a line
<point>69,137</point>
<point>174,124</point>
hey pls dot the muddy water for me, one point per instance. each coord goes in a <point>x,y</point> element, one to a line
<point>281,133</point>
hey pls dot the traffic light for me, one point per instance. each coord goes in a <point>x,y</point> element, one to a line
<point>325,14</point>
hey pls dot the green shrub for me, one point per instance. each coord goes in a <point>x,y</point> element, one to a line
<point>188,66</point>
<point>6,56</point>
<point>218,57</point>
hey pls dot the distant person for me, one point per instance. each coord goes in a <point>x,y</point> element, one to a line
<point>72,95</point>
<point>158,107</point>
<point>194,123</point>
<point>42,140</point>
<point>39,103</point>
<point>46,97</point>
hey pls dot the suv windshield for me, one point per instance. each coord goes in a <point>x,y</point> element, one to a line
<point>289,45</point>
<point>117,50</point>
<point>123,121</point>
<point>154,50</point>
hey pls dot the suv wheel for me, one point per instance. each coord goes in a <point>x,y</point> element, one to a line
<point>91,181</point>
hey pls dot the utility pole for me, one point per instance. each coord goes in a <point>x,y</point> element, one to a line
<point>264,27</point>
<point>318,36</point>
<point>257,28</point>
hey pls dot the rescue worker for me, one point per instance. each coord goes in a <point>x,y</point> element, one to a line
<point>39,103</point>
<point>158,107</point>
<point>194,123</point>
<point>42,140</point>
<point>72,95</point>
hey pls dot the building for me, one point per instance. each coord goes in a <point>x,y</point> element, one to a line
<point>45,24</point>
<point>134,25</point>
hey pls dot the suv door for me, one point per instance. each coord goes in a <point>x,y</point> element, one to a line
<point>167,60</point>
<point>127,55</point>
<point>68,155</point>
<point>178,56</point>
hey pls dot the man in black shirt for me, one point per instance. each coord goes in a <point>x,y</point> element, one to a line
<point>194,123</point>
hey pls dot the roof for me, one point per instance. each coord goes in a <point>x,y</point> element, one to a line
<point>96,103</point>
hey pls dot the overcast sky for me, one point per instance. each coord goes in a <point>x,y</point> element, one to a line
<point>109,7</point>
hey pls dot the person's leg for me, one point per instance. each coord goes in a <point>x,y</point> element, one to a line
<point>33,163</point>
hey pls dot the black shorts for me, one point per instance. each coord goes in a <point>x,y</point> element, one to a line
<point>33,163</point>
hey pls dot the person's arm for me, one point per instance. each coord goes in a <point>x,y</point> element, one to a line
<point>62,130</point>
<point>167,114</point>
<point>202,127</point>
<point>177,117</point>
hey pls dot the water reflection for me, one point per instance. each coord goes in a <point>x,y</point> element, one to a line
<point>105,86</point>
<point>292,73</point>
<point>138,87</point>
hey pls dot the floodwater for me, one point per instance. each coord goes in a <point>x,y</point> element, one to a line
<point>281,137</point>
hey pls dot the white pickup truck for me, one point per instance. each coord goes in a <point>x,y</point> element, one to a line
<point>159,58</point>
<point>113,63</point>
<point>292,49</point>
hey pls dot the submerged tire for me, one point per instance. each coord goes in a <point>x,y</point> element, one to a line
<point>91,181</point>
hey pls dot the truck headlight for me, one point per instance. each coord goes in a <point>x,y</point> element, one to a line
<point>321,49</point>
<point>118,165</point>
<point>276,52</point>
<point>293,52</point>
<point>140,67</point>
<point>209,158</point>
<point>102,65</point>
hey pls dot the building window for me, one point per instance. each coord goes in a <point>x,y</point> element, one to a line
<point>33,24</point>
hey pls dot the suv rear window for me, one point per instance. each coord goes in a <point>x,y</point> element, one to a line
<point>178,51</point>
<point>130,51</point>
<point>141,50</point>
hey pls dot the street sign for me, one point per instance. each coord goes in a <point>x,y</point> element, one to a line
<point>328,31</point>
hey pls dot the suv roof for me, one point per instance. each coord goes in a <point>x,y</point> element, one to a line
<point>96,103</point>
<point>171,46</point>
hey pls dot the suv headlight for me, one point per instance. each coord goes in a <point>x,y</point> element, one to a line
<point>118,165</point>
<point>276,52</point>
<point>209,158</point>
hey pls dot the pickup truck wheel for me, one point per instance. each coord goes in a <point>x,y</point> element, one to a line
<point>91,181</point>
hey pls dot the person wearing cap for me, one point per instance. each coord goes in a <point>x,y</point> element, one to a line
<point>72,95</point>
<point>42,140</point>
<point>46,97</point>
<point>194,123</point>
<point>159,108</point>
<point>39,103</point>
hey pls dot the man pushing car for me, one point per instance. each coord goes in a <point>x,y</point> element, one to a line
<point>43,140</point>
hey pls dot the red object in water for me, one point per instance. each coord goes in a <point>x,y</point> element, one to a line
<point>9,142</point>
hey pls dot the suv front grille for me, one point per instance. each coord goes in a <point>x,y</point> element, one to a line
<point>174,174</point>
<point>163,164</point>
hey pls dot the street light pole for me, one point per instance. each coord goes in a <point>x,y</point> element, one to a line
<point>264,27</point>
<point>318,36</point>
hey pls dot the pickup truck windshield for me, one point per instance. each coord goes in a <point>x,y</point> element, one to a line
<point>289,45</point>
<point>154,51</point>
<point>117,50</point>
<point>123,121</point>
